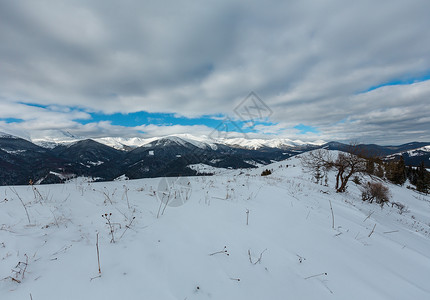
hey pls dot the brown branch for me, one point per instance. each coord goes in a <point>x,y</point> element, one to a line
<point>22,202</point>
<point>332,214</point>
<point>98,253</point>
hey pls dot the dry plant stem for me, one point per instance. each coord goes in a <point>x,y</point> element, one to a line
<point>25,265</point>
<point>20,270</point>
<point>22,202</point>
<point>261,256</point>
<point>370,214</point>
<point>316,275</point>
<point>332,214</point>
<point>37,194</point>
<point>126,196</point>
<point>258,260</point>
<point>107,197</point>
<point>98,253</point>
<point>223,251</point>
<point>127,227</point>
<point>159,208</point>
<point>98,276</point>
<point>301,258</point>
<point>249,256</point>
<point>373,229</point>
<point>56,221</point>
<point>111,226</point>
<point>165,205</point>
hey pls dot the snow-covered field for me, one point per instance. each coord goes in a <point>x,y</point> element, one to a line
<point>204,249</point>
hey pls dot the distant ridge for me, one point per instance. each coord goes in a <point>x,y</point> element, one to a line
<point>108,158</point>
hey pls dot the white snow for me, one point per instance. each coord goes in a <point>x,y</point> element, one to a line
<point>180,254</point>
<point>206,169</point>
<point>121,178</point>
<point>13,151</point>
<point>419,151</point>
<point>96,163</point>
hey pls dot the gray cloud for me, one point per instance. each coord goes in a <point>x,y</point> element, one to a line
<point>309,61</point>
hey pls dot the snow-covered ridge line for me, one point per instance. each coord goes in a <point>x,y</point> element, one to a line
<point>203,142</point>
<point>414,152</point>
<point>6,135</point>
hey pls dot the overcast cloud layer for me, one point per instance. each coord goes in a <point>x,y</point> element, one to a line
<point>316,63</point>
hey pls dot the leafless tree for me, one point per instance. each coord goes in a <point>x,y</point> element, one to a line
<point>318,162</point>
<point>346,164</point>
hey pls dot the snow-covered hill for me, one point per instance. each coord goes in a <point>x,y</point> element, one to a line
<point>204,249</point>
<point>416,152</point>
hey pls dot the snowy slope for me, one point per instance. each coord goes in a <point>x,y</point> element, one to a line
<point>415,152</point>
<point>177,252</point>
<point>419,151</point>
<point>121,143</point>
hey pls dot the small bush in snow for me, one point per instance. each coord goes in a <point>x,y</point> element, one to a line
<point>375,191</point>
<point>266,172</point>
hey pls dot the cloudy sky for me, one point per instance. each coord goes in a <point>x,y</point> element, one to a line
<point>323,69</point>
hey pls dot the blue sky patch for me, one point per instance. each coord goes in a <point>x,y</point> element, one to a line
<point>168,119</point>
<point>304,129</point>
<point>11,120</point>
<point>404,81</point>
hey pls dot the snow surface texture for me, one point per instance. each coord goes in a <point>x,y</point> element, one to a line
<point>204,249</point>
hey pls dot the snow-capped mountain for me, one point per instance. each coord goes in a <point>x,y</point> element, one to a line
<point>280,143</point>
<point>53,138</point>
<point>109,158</point>
<point>168,156</point>
<point>204,142</point>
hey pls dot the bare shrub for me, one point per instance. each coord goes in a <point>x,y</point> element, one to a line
<point>375,191</point>
<point>266,172</point>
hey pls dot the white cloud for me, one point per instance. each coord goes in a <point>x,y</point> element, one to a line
<point>308,60</point>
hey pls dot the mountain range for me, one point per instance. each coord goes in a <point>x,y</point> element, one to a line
<point>54,161</point>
